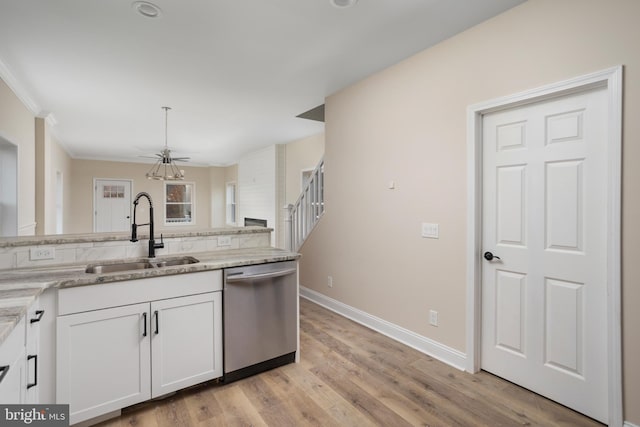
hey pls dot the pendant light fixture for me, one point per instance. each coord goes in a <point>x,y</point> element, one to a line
<point>165,168</point>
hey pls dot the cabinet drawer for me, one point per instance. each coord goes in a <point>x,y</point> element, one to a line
<point>96,297</point>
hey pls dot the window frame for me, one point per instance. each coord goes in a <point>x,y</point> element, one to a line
<point>233,204</point>
<point>192,203</point>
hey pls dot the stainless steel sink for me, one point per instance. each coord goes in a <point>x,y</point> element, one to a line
<point>113,268</point>
<point>139,265</point>
<point>175,261</point>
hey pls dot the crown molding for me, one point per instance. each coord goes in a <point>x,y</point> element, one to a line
<point>17,88</point>
<point>50,119</point>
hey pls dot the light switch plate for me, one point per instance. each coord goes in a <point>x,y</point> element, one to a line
<point>433,318</point>
<point>430,231</point>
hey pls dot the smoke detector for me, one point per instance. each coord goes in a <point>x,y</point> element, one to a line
<point>343,3</point>
<point>147,9</point>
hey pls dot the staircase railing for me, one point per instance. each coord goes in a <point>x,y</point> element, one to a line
<point>305,213</point>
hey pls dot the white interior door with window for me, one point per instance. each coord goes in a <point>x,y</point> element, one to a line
<point>544,238</point>
<point>112,205</point>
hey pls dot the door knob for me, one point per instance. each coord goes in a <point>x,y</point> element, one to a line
<point>489,256</point>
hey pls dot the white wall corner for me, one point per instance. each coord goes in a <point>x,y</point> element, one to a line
<point>425,345</point>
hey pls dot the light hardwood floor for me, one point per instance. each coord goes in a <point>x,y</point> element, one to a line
<point>352,376</point>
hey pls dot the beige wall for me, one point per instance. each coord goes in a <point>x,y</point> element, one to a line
<point>17,126</point>
<point>60,163</point>
<point>217,199</point>
<point>84,171</point>
<point>408,124</point>
<point>231,173</point>
<point>301,155</point>
<point>42,153</point>
<point>51,159</point>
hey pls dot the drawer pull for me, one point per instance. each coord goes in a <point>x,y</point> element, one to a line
<point>39,314</point>
<point>155,313</point>
<point>4,370</point>
<point>144,316</point>
<point>35,370</point>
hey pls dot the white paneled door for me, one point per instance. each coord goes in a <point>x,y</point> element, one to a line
<point>112,205</point>
<point>544,296</point>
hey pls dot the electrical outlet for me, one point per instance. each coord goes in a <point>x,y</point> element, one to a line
<point>42,253</point>
<point>330,281</point>
<point>224,241</point>
<point>433,317</point>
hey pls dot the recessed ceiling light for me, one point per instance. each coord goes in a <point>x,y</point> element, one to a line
<point>343,3</point>
<point>147,9</point>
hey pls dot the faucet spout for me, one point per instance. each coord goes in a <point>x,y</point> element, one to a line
<point>134,227</point>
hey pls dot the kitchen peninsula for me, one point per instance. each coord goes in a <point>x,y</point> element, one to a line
<point>49,285</point>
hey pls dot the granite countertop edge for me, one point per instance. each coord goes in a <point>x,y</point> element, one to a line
<point>58,239</point>
<point>19,288</point>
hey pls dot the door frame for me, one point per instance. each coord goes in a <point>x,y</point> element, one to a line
<point>611,79</point>
<point>95,197</point>
<point>8,142</point>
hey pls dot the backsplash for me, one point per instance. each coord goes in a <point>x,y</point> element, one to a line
<point>90,248</point>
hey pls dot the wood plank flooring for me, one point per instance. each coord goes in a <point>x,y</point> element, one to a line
<point>350,375</point>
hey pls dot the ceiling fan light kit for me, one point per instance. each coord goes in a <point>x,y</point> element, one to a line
<point>165,168</point>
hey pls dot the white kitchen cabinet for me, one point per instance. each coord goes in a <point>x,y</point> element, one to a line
<point>111,354</point>
<point>186,342</point>
<point>12,366</point>
<point>19,360</point>
<point>33,361</point>
<point>103,360</point>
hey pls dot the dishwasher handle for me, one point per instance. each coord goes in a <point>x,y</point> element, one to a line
<point>239,277</point>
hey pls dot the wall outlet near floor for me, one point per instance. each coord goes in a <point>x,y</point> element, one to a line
<point>42,253</point>
<point>330,281</point>
<point>224,241</point>
<point>433,317</point>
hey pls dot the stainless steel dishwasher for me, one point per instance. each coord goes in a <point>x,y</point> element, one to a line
<point>260,318</point>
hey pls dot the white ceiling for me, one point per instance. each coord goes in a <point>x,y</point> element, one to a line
<point>235,72</point>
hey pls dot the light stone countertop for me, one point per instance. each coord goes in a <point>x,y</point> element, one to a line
<point>19,288</point>
<point>57,239</point>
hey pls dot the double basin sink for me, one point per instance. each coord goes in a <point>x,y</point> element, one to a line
<point>139,265</point>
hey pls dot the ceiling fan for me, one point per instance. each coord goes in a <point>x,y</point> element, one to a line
<point>165,168</point>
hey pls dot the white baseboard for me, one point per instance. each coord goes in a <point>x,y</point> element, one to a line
<point>445,354</point>
<point>628,424</point>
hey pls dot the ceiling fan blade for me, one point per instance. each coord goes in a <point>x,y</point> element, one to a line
<point>181,159</point>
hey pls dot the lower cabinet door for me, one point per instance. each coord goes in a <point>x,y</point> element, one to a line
<point>12,385</point>
<point>186,341</point>
<point>103,360</point>
<point>12,366</point>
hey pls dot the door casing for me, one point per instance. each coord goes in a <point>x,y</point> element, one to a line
<point>611,79</point>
